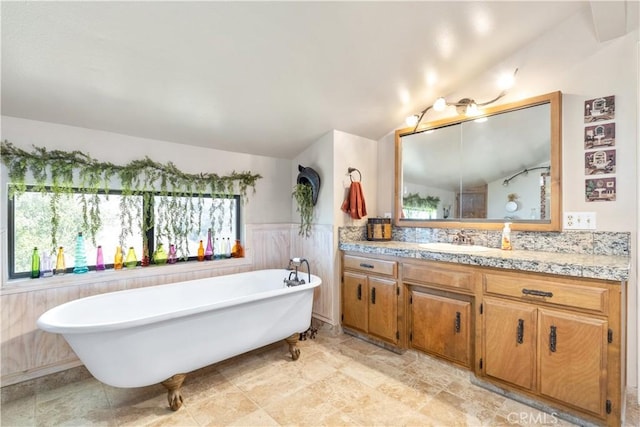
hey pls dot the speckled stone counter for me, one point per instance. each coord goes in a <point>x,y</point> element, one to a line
<point>605,267</point>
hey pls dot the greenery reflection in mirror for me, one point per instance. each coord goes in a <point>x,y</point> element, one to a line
<point>480,172</point>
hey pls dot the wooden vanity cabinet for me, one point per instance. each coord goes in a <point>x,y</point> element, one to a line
<point>555,338</point>
<point>370,297</point>
<point>441,325</point>
<point>440,318</point>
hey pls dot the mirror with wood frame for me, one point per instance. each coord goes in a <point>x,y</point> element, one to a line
<point>503,165</point>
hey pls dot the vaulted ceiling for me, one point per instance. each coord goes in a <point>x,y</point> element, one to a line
<point>265,78</point>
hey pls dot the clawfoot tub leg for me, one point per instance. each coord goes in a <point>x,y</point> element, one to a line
<point>293,341</point>
<point>173,386</point>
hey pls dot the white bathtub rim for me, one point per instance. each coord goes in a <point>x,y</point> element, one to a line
<point>48,322</point>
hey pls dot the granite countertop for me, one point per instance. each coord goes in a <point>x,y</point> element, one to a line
<point>605,267</point>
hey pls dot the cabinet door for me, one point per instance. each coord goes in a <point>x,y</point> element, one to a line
<point>355,301</point>
<point>509,331</point>
<point>573,359</point>
<point>383,307</point>
<point>441,326</point>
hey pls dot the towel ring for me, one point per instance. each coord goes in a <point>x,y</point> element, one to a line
<point>352,170</point>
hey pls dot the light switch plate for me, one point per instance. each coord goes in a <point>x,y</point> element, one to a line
<point>579,221</point>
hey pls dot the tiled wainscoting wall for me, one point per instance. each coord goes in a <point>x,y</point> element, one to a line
<point>27,352</point>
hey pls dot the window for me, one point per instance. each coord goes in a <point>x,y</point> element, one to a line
<point>30,225</point>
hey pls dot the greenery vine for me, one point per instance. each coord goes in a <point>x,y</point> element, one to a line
<point>303,194</point>
<point>414,201</point>
<point>57,168</point>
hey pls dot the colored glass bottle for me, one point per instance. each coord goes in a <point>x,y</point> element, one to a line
<point>218,250</point>
<point>117,260</point>
<point>99,259</point>
<point>144,262</point>
<point>35,264</point>
<point>160,255</point>
<point>201,252</point>
<point>238,250</point>
<point>60,265</point>
<point>208,253</point>
<point>46,267</point>
<point>131,261</point>
<point>173,255</point>
<point>80,256</point>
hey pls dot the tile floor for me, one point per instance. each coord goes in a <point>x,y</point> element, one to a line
<point>338,381</point>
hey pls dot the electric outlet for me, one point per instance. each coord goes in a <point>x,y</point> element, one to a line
<point>579,221</point>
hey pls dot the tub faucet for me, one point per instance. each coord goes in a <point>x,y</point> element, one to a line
<point>293,279</point>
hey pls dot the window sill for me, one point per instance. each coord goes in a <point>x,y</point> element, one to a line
<point>70,279</point>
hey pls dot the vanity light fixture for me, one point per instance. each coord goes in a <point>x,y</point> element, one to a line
<point>466,106</point>
<point>524,172</point>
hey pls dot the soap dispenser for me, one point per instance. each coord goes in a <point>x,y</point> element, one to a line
<point>506,237</point>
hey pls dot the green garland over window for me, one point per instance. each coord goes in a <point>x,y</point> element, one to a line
<point>414,201</point>
<point>56,168</point>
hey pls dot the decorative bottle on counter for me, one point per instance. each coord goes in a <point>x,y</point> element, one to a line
<point>208,253</point>
<point>81,257</point>
<point>144,262</point>
<point>60,265</point>
<point>117,260</point>
<point>238,250</point>
<point>131,261</point>
<point>46,267</point>
<point>227,248</point>
<point>99,259</point>
<point>173,256</point>
<point>160,255</point>
<point>218,249</point>
<point>201,252</point>
<point>35,264</point>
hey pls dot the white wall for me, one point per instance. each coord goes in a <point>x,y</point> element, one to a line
<point>319,157</point>
<point>270,204</point>
<point>360,153</point>
<point>570,59</point>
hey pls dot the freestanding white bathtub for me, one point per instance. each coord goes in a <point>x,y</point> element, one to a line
<point>144,336</point>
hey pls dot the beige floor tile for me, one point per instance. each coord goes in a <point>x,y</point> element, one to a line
<point>19,412</point>
<point>145,411</point>
<point>226,409</point>
<point>256,418</point>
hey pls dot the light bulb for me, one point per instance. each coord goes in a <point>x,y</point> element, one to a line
<point>440,104</point>
<point>472,109</point>
<point>412,120</point>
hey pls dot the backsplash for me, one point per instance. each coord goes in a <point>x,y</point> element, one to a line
<point>579,242</point>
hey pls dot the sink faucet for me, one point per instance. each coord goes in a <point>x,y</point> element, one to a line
<point>293,279</point>
<point>462,238</point>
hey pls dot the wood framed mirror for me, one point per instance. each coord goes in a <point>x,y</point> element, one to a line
<point>503,165</point>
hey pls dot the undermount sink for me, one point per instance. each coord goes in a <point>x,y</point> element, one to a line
<point>451,247</point>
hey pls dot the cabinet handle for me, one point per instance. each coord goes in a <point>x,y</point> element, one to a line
<point>520,332</point>
<point>552,339</point>
<point>373,295</point>
<point>457,322</point>
<point>537,293</point>
<point>359,291</point>
<point>364,265</point>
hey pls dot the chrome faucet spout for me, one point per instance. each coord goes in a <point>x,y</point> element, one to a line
<point>296,262</point>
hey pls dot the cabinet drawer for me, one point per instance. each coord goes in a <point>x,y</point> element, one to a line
<point>548,291</point>
<point>371,265</point>
<point>435,275</point>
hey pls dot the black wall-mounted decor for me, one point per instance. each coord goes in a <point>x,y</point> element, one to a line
<point>308,176</point>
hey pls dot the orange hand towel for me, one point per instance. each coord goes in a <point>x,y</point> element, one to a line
<point>354,204</point>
